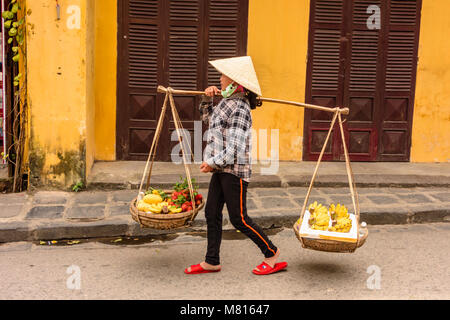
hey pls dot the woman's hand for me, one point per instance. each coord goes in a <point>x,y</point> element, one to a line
<point>204,167</point>
<point>212,91</point>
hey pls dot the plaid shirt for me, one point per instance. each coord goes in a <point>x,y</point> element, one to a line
<point>229,135</point>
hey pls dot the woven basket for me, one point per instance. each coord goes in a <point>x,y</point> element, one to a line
<point>331,245</point>
<point>164,221</point>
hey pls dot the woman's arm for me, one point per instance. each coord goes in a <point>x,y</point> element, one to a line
<point>206,104</point>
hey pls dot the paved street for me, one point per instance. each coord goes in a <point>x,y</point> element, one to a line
<point>411,260</point>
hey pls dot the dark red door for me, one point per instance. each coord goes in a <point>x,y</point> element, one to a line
<point>169,43</point>
<point>369,69</point>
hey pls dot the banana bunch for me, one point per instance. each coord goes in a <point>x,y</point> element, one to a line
<point>151,207</point>
<point>160,207</point>
<point>340,219</point>
<point>341,211</point>
<point>338,211</point>
<point>319,218</point>
<point>342,224</point>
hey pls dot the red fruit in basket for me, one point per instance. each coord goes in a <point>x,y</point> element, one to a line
<point>198,197</point>
<point>189,208</point>
<point>184,207</point>
<point>174,196</point>
<point>198,202</point>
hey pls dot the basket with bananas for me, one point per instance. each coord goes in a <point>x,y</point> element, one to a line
<point>335,218</point>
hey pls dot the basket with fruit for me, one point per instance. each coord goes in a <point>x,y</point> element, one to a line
<point>167,209</point>
<point>331,229</point>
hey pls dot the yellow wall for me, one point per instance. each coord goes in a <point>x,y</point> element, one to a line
<point>431,121</point>
<point>278,43</point>
<point>90,37</point>
<point>60,99</point>
<point>105,79</point>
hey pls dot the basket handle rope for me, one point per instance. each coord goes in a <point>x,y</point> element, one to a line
<point>178,125</point>
<point>336,116</point>
<point>351,179</point>
<point>152,153</point>
<point>154,146</point>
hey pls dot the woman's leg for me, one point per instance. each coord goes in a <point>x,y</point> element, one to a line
<point>235,193</point>
<point>213,213</point>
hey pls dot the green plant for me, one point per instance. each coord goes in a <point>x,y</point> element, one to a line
<point>16,32</point>
<point>78,186</point>
<point>161,192</point>
<point>179,186</point>
<point>15,28</point>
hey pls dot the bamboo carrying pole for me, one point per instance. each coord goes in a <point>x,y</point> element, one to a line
<point>345,111</point>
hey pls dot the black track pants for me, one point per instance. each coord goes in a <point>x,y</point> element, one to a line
<point>230,189</point>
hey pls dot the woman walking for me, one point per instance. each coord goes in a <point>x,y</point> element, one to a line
<point>228,157</point>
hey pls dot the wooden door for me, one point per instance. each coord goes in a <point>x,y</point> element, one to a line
<point>169,43</point>
<point>370,70</point>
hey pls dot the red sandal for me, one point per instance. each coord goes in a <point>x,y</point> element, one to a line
<point>266,269</point>
<point>197,269</point>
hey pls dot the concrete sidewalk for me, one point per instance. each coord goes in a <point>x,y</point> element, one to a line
<point>128,174</point>
<point>389,193</point>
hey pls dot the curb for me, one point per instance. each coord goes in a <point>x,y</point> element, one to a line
<point>274,181</point>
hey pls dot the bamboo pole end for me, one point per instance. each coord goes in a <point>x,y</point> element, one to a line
<point>345,111</point>
<point>161,89</point>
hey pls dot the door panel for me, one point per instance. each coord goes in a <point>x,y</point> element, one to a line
<point>401,36</point>
<point>324,74</point>
<point>370,71</point>
<point>169,43</point>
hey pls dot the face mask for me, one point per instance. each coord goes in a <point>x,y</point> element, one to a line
<point>229,90</point>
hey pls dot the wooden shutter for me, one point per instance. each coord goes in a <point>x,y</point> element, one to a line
<point>201,31</point>
<point>401,35</point>
<point>324,74</point>
<point>169,43</point>
<point>362,83</point>
<point>226,35</point>
<point>140,54</point>
<point>185,61</point>
<point>371,71</point>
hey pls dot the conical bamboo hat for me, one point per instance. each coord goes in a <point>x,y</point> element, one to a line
<point>240,70</point>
